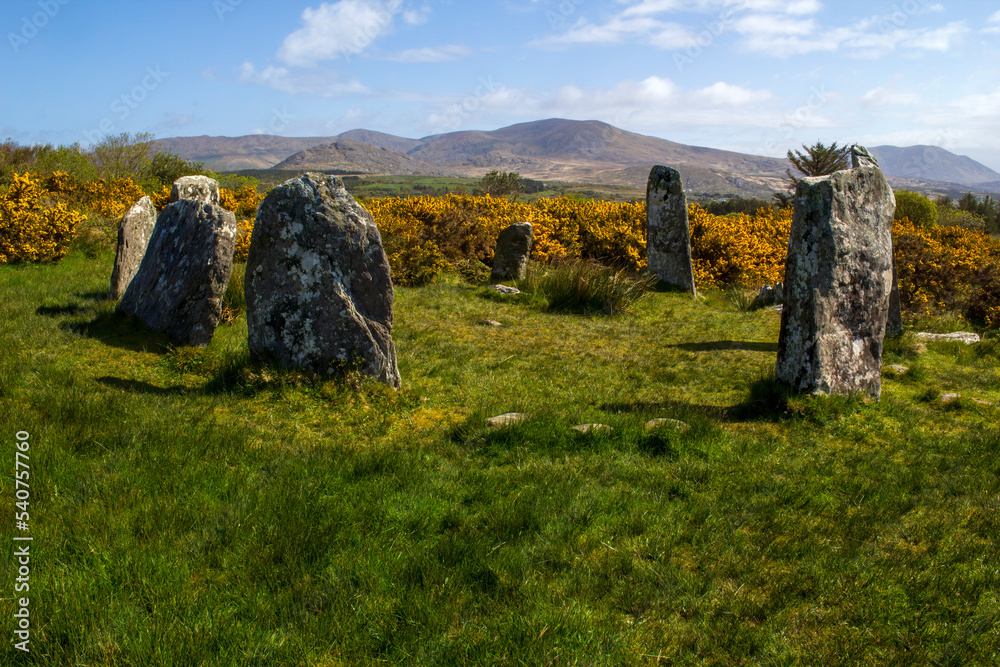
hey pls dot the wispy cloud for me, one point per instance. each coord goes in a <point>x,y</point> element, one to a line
<point>429,54</point>
<point>317,82</point>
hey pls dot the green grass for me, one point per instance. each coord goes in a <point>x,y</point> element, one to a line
<point>190,507</point>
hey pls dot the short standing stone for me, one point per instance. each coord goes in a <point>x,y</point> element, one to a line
<point>668,240</point>
<point>200,188</point>
<point>894,325</point>
<point>838,275</point>
<point>179,286</point>
<point>318,287</point>
<point>133,236</point>
<point>510,260</point>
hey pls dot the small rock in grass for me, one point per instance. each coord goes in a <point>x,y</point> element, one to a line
<point>508,419</point>
<point>948,398</point>
<point>967,337</point>
<point>596,428</point>
<point>981,401</point>
<point>491,323</point>
<point>654,424</point>
<point>898,369</point>
<point>504,289</point>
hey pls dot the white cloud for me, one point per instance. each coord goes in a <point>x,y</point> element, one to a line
<point>994,18</point>
<point>763,25</point>
<point>661,34</point>
<point>317,82</point>
<point>430,54</point>
<point>652,104</point>
<point>337,29</point>
<point>417,16</point>
<point>889,97</point>
<point>938,40</point>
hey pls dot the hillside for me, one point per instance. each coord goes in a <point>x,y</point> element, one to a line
<point>350,155</point>
<point>564,150</point>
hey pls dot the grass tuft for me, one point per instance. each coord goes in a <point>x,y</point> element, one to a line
<point>585,286</point>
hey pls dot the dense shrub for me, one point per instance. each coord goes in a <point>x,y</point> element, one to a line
<point>940,269</point>
<point>984,304</point>
<point>739,250</point>
<point>917,208</point>
<point>31,231</point>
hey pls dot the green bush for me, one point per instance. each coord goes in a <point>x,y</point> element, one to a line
<point>919,209</point>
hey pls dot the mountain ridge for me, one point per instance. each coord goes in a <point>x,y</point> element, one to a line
<point>555,149</point>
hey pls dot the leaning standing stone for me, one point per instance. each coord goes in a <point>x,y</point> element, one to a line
<point>838,275</point>
<point>200,188</point>
<point>668,239</point>
<point>510,261</point>
<point>133,236</point>
<point>318,288</point>
<point>179,286</point>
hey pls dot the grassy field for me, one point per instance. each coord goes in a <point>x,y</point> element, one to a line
<point>191,508</point>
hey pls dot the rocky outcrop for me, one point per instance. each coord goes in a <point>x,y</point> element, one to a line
<point>510,260</point>
<point>318,287</point>
<point>134,231</point>
<point>199,188</point>
<point>838,276</point>
<point>183,276</point>
<point>668,239</point>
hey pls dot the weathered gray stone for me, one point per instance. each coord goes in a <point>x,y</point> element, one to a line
<point>838,275</point>
<point>318,286</point>
<point>510,260</point>
<point>967,337</point>
<point>768,296</point>
<point>898,369</point>
<point>894,323</point>
<point>504,289</point>
<point>179,286</point>
<point>199,188</point>
<point>134,231</point>
<point>663,422</point>
<point>507,419</point>
<point>596,428</point>
<point>668,236</point>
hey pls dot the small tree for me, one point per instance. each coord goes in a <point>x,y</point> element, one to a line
<point>917,208</point>
<point>501,184</point>
<point>125,155</point>
<point>817,160</point>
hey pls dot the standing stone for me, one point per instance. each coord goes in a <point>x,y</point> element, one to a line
<point>510,261</point>
<point>179,286</point>
<point>133,236</point>
<point>318,287</point>
<point>838,275</point>
<point>668,238</point>
<point>894,325</point>
<point>199,188</point>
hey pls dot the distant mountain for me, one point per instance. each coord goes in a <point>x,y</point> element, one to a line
<point>562,150</point>
<point>350,155</point>
<point>932,163</point>
<point>254,151</point>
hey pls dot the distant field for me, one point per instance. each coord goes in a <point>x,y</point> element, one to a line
<point>191,507</point>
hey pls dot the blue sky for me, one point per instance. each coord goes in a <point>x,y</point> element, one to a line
<point>757,76</point>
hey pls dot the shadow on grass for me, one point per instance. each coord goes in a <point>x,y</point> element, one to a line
<point>117,329</point>
<point>711,346</point>
<point>56,311</point>
<point>674,409</point>
<point>139,387</point>
<point>94,296</point>
<point>766,400</point>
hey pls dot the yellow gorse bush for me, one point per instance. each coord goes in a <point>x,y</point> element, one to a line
<point>111,199</point>
<point>940,268</point>
<point>742,250</point>
<point>29,230</point>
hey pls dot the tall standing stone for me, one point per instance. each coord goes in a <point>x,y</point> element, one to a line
<point>179,286</point>
<point>199,188</point>
<point>838,276</point>
<point>318,286</point>
<point>510,260</point>
<point>134,231</point>
<point>668,238</point>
